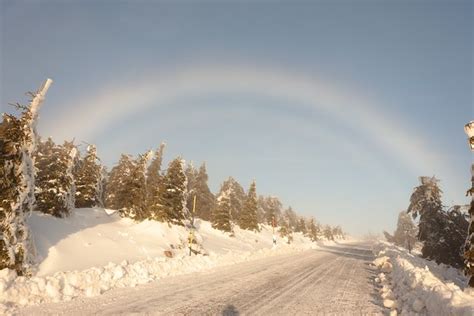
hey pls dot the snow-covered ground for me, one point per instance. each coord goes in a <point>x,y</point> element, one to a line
<point>94,251</point>
<point>411,285</point>
<point>328,280</point>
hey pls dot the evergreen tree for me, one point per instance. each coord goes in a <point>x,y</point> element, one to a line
<point>406,231</point>
<point>291,217</point>
<point>17,176</point>
<point>117,184</point>
<point>337,232</point>
<point>236,194</point>
<point>55,186</point>
<point>248,216</point>
<point>16,144</point>
<point>136,189</point>
<point>425,202</point>
<point>70,153</point>
<point>327,232</point>
<point>301,226</point>
<point>191,175</point>
<point>285,229</point>
<point>437,230</point>
<point>205,200</point>
<point>153,179</point>
<point>172,194</point>
<point>261,205</point>
<point>313,230</point>
<point>222,218</point>
<point>88,177</point>
<point>272,209</point>
<point>126,188</point>
<point>456,234</point>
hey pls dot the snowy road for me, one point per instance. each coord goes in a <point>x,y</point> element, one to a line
<point>334,280</point>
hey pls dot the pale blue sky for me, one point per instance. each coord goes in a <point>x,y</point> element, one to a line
<point>334,106</point>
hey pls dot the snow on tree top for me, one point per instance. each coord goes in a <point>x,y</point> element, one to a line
<point>429,180</point>
<point>39,97</point>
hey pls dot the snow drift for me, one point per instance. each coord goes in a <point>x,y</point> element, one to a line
<point>410,284</point>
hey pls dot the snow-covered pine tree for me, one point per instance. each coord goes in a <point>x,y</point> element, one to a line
<point>205,200</point>
<point>172,194</point>
<point>248,215</point>
<point>272,209</point>
<point>292,217</point>
<point>15,243</point>
<point>153,179</point>
<point>327,232</point>
<point>285,229</point>
<point>312,230</point>
<point>55,186</point>
<point>70,153</point>
<point>136,188</point>
<point>126,187</point>
<point>17,176</point>
<point>436,228</point>
<point>237,196</point>
<point>261,205</point>
<point>456,234</point>
<point>116,189</point>
<point>406,231</point>
<point>89,180</point>
<point>221,218</point>
<point>337,232</point>
<point>191,175</point>
<point>45,182</point>
<point>425,202</point>
<point>301,226</point>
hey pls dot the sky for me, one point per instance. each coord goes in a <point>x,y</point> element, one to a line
<point>336,107</point>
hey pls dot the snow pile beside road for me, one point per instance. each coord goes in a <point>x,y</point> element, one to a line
<point>93,237</point>
<point>64,286</point>
<point>93,251</point>
<point>410,284</point>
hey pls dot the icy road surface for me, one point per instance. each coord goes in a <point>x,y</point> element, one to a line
<point>333,280</point>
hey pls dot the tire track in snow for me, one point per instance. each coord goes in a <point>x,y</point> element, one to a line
<point>311,290</point>
<point>250,273</point>
<point>253,282</point>
<point>281,289</point>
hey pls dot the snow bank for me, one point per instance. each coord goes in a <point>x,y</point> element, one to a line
<point>95,250</point>
<point>64,286</point>
<point>410,284</point>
